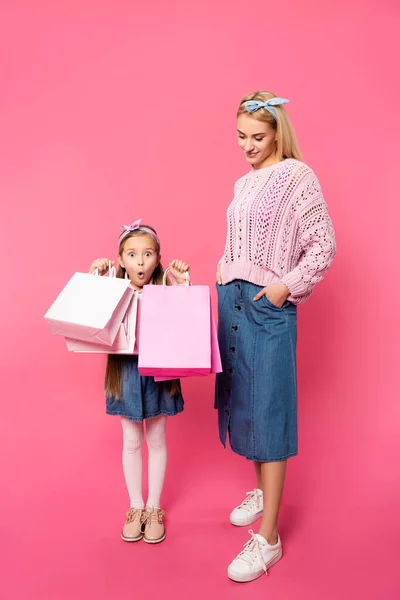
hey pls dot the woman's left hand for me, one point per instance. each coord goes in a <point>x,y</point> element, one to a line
<point>178,269</point>
<point>277,294</point>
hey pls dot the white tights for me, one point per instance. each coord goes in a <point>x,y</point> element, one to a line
<point>133,436</point>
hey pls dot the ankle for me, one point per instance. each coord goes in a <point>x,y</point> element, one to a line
<point>271,538</point>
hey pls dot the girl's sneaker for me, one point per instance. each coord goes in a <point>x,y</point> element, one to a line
<point>255,560</point>
<point>154,530</point>
<point>249,511</point>
<point>132,531</point>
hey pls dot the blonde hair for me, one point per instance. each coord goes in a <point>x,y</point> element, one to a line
<point>286,140</point>
<point>113,377</point>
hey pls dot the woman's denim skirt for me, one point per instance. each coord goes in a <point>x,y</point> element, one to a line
<point>256,395</point>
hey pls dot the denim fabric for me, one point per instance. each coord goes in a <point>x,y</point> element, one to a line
<point>142,398</point>
<point>256,395</point>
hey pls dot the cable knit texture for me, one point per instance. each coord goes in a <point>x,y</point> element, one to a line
<point>279,230</point>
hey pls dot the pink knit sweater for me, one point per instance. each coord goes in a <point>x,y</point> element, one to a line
<point>279,230</point>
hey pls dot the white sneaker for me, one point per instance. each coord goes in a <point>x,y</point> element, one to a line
<point>249,511</point>
<point>255,560</point>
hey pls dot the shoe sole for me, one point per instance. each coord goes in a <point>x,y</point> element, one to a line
<point>250,577</point>
<point>248,522</point>
<point>126,539</point>
<point>161,539</point>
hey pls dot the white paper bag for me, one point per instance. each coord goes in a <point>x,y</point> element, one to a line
<point>125,339</point>
<point>91,308</point>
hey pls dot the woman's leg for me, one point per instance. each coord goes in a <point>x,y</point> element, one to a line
<point>272,482</point>
<point>132,460</point>
<point>257,466</point>
<point>157,445</point>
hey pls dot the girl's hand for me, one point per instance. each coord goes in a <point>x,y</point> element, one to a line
<point>276,293</point>
<point>178,269</point>
<point>101,264</point>
<point>218,276</point>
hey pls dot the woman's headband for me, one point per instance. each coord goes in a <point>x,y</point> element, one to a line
<point>254,105</point>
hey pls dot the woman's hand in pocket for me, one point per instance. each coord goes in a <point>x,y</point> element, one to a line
<point>276,293</point>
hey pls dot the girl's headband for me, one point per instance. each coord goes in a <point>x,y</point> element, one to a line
<point>135,226</point>
<point>254,105</point>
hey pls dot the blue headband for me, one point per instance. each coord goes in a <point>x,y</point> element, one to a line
<point>253,105</point>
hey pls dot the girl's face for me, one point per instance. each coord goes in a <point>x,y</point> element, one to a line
<point>257,140</point>
<point>139,258</point>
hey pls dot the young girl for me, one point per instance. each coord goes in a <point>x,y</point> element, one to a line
<point>136,399</point>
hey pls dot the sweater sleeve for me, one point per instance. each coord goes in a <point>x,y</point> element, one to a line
<point>235,191</point>
<point>316,238</point>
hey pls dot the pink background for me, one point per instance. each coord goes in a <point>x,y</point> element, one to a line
<point>110,111</point>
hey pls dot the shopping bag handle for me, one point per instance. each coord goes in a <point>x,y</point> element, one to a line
<point>111,271</point>
<point>166,273</point>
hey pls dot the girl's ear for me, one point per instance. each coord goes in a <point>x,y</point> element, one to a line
<point>120,261</point>
<point>159,259</point>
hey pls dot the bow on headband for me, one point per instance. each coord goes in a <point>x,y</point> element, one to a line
<point>135,226</point>
<point>254,105</point>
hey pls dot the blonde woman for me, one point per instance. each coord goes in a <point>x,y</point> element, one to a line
<point>280,243</point>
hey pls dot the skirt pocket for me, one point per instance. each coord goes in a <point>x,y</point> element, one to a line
<point>222,292</point>
<point>269,304</point>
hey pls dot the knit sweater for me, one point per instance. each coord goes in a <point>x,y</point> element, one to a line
<point>279,230</point>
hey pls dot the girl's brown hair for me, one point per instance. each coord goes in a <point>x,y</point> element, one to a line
<point>286,140</point>
<point>113,377</point>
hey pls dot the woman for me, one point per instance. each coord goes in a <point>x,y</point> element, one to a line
<point>280,243</point>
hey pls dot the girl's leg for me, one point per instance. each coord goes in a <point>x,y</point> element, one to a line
<point>132,460</point>
<point>156,442</point>
<point>272,481</point>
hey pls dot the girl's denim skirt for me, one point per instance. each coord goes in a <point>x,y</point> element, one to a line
<point>142,397</point>
<point>256,395</point>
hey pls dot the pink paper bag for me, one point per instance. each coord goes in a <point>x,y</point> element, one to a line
<point>216,365</point>
<point>175,338</point>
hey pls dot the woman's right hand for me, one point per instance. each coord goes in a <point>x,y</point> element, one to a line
<point>101,264</point>
<point>219,279</point>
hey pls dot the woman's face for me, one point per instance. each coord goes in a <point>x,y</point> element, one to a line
<point>257,140</point>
